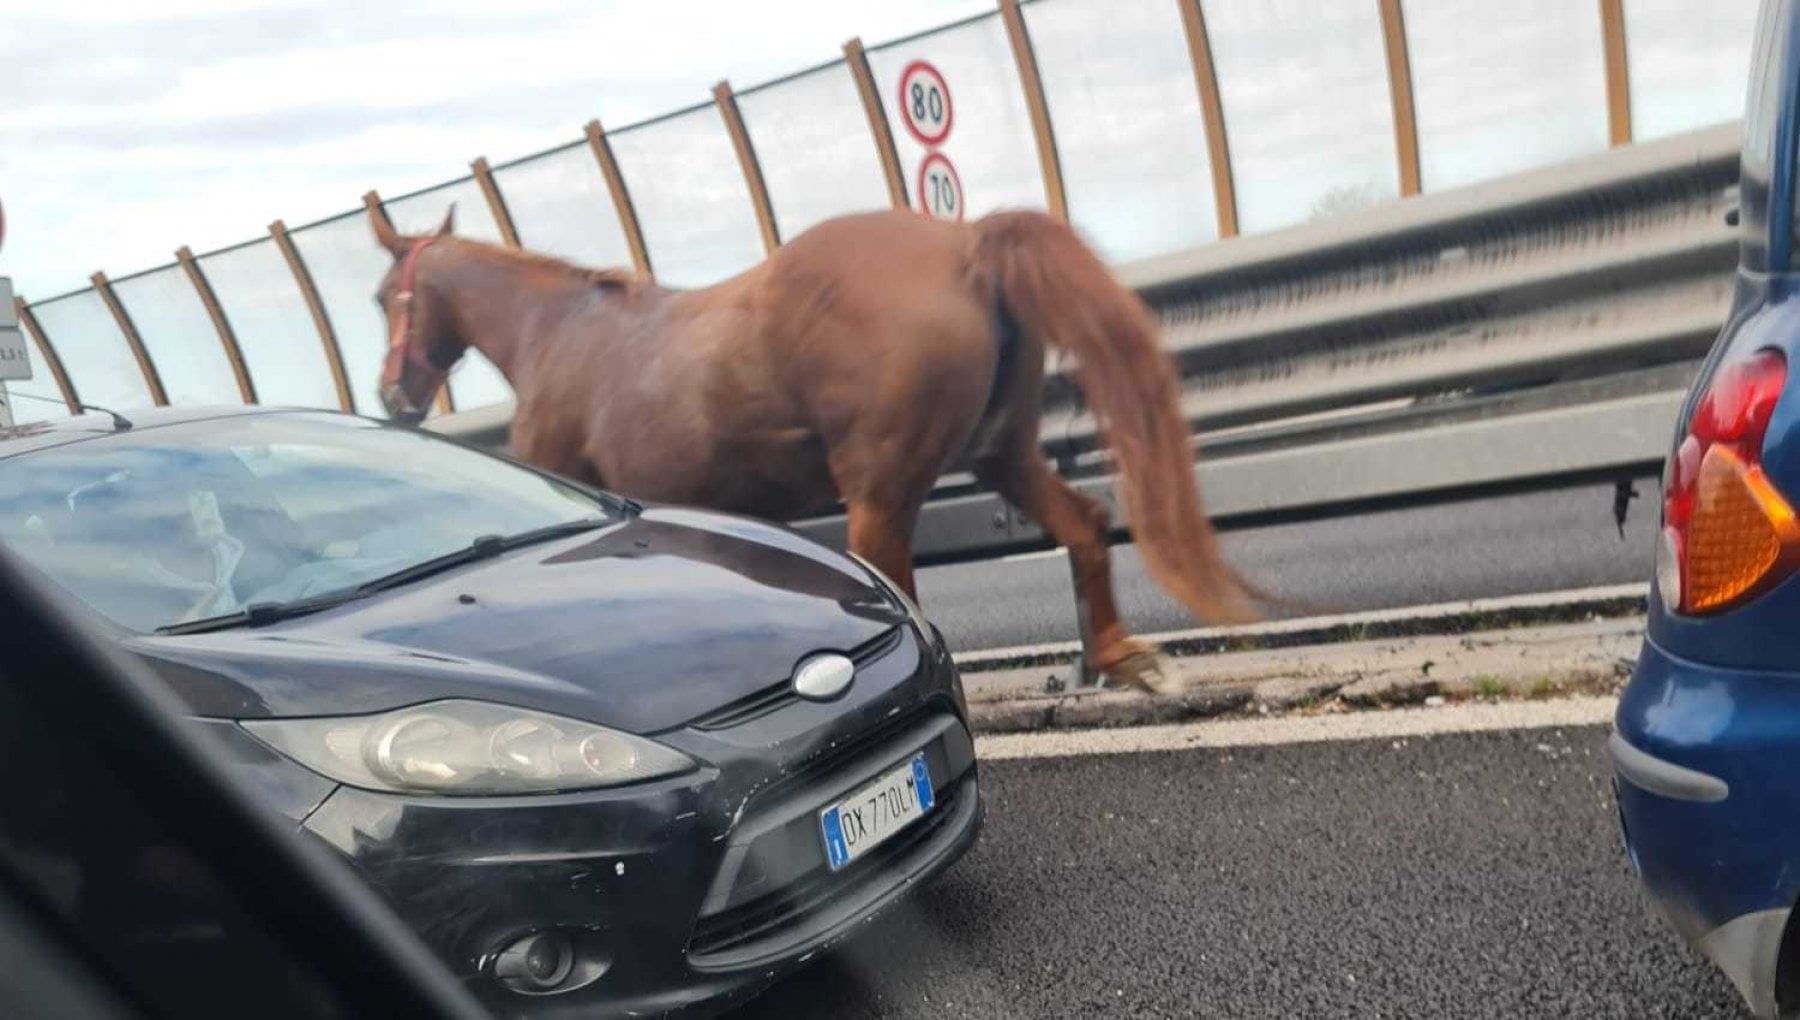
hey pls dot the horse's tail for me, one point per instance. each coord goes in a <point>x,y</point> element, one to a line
<point>1055,288</point>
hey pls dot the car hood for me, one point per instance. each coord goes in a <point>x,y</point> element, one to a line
<point>645,625</point>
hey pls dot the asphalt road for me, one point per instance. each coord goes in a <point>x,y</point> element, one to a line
<point>1506,545</point>
<point>1463,876</point>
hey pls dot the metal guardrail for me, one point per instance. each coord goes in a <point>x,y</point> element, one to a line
<point>1535,328</point>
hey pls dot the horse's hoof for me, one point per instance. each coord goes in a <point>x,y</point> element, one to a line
<point>1148,672</point>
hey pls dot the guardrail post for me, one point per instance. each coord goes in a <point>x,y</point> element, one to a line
<point>726,101</point>
<point>496,202</point>
<point>221,325</point>
<point>1618,72</point>
<point>621,196</point>
<point>146,365</point>
<point>1400,92</point>
<point>309,290</point>
<point>446,404</point>
<point>1033,87</point>
<point>1212,115</point>
<point>52,360</point>
<point>857,59</point>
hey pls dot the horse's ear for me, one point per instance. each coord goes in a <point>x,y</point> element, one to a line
<point>449,221</point>
<point>385,234</point>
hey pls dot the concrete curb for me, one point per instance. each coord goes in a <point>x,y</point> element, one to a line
<point>1442,618</point>
<point>1515,662</point>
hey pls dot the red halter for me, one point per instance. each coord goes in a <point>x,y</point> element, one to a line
<point>401,350</point>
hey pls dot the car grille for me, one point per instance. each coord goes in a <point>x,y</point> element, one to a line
<point>769,916</point>
<point>780,694</point>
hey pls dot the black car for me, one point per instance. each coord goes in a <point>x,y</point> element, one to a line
<point>606,759</point>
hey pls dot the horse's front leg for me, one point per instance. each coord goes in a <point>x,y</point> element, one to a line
<point>881,531</point>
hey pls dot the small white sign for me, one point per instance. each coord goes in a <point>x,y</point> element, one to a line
<point>925,104</point>
<point>940,189</point>
<point>15,357</point>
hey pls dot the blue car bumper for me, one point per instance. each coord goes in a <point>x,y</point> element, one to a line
<point>1705,761</point>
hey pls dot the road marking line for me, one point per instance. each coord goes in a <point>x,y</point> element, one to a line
<point>1026,557</point>
<point>1411,722</point>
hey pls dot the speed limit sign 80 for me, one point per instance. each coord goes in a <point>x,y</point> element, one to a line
<point>925,106</point>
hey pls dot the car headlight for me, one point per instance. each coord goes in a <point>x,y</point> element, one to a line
<point>470,748</point>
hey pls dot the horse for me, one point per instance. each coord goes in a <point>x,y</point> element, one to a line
<point>855,365</point>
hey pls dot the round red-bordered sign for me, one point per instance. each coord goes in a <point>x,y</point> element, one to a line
<point>927,113</point>
<point>940,188</point>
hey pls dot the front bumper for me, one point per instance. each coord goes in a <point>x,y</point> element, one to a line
<point>683,896</point>
<point>1703,760</point>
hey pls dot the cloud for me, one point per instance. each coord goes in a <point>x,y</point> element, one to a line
<point>130,129</point>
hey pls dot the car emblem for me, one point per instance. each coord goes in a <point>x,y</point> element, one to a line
<point>823,677</point>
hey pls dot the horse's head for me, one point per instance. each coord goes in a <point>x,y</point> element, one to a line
<point>422,343</point>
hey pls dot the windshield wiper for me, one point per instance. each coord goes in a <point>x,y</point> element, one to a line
<point>258,613</point>
<point>485,547</point>
<point>482,548</point>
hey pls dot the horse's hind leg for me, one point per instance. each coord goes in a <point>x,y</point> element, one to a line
<point>1077,522</point>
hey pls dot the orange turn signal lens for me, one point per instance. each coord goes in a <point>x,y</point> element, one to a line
<point>1740,532</point>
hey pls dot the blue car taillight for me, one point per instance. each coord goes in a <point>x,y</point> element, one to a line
<point>1728,534</point>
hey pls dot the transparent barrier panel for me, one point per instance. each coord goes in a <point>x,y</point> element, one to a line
<point>990,143</point>
<point>1504,87</point>
<point>812,140</point>
<point>269,317</point>
<point>1120,87</point>
<point>560,206</point>
<point>423,212</point>
<point>690,196</point>
<point>37,398</point>
<point>180,337</point>
<point>93,351</point>
<point>1689,62</point>
<point>1308,113</point>
<point>347,265</point>
<point>475,382</point>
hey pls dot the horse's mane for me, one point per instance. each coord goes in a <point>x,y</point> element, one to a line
<point>612,277</point>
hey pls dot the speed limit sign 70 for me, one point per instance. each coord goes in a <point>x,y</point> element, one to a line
<point>940,189</point>
<point>925,104</point>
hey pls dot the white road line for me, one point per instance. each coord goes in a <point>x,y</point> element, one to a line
<point>1411,722</point>
<point>1038,554</point>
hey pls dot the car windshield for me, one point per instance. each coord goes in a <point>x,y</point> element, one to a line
<point>167,525</point>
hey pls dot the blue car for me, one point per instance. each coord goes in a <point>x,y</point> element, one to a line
<point>1706,750</point>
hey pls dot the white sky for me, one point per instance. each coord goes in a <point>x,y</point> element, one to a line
<point>128,129</point>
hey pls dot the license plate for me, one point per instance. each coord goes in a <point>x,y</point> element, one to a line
<point>865,819</point>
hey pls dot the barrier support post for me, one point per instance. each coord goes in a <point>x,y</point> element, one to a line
<point>128,329</point>
<point>1618,72</point>
<point>879,130</point>
<point>726,101</point>
<point>1049,163</point>
<point>28,322</point>
<point>496,202</point>
<point>315,306</point>
<point>1400,94</point>
<point>621,196</point>
<point>1212,116</point>
<point>234,354</point>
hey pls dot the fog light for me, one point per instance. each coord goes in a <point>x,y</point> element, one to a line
<point>536,963</point>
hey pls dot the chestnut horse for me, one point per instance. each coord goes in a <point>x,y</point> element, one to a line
<point>858,363</point>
